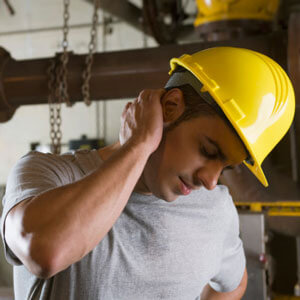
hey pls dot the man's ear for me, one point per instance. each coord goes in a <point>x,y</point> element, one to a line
<point>173,105</point>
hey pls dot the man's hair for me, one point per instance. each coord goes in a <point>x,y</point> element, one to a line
<point>195,106</point>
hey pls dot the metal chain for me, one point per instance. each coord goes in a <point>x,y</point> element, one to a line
<point>57,72</point>
<point>64,58</point>
<point>89,58</point>
<point>54,109</point>
<point>58,87</point>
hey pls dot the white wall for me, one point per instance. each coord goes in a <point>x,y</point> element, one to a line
<point>33,33</point>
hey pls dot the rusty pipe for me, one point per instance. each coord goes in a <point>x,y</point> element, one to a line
<point>118,74</point>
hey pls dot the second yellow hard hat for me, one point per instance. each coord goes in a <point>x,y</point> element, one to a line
<point>218,10</point>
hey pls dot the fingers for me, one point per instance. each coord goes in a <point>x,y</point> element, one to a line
<point>147,94</point>
<point>151,94</point>
<point>128,104</point>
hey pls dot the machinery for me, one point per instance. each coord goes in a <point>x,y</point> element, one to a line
<point>232,19</point>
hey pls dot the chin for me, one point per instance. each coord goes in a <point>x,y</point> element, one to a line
<point>172,199</point>
<point>161,190</point>
<point>168,197</point>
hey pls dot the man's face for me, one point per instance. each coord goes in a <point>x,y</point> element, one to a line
<point>192,155</point>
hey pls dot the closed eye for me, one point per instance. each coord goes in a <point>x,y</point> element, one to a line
<point>209,155</point>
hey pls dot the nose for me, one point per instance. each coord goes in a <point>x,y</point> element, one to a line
<point>210,173</point>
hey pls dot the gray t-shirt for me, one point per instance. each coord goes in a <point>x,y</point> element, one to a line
<point>155,250</point>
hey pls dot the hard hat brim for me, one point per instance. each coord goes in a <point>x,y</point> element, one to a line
<point>258,172</point>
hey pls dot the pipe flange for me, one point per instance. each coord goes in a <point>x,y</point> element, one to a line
<point>6,110</point>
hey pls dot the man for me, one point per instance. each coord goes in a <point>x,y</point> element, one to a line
<point>124,222</point>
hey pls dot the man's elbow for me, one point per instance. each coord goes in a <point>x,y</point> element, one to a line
<point>42,262</point>
<point>34,253</point>
<point>33,249</point>
<point>36,256</point>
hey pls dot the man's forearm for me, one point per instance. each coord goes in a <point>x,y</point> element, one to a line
<point>62,225</point>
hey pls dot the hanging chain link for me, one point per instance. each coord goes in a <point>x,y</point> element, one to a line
<point>58,87</point>
<point>64,58</point>
<point>54,109</point>
<point>89,58</point>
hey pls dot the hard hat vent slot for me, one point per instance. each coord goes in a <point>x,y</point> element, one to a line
<point>235,111</point>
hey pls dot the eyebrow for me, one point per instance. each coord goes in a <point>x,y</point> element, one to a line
<point>221,155</point>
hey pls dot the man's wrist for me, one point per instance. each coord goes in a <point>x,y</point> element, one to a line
<point>139,147</point>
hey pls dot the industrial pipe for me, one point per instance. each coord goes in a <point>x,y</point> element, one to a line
<point>115,75</point>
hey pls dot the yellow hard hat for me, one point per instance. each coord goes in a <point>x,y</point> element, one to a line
<point>217,10</point>
<point>254,93</point>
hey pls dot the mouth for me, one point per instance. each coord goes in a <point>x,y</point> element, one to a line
<point>185,187</point>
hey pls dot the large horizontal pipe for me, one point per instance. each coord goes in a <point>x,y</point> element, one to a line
<point>119,74</point>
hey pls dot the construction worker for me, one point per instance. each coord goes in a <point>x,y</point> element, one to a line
<point>144,218</point>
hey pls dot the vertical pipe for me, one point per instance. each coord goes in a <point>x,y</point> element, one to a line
<point>293,146</point>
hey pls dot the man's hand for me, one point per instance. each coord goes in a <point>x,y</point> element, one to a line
<point>142,120</point>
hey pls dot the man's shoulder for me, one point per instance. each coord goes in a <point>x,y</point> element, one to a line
<point>67,167</point>
<point>75,157</point>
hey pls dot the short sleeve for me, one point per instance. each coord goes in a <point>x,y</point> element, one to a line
<point>33,174</point>
<point>233,262</point>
